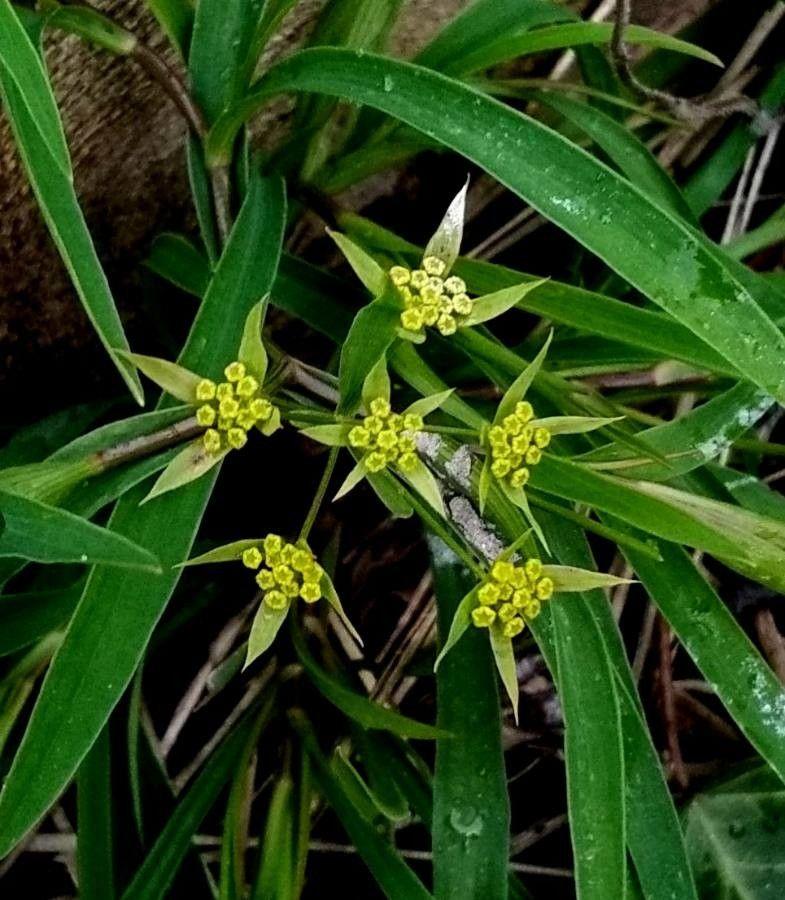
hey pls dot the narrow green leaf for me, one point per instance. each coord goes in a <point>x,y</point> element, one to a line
<point>422,480</point>
<point>176,17</point>
<point>175,258</point>
<point>113,636</point>
<point>660,255</point>
<point>29,616</point>
<point>503,656</point>
<point>426,405</point>
<point>36,126</point>
<point>273,880</point>
<point>94,28</point>
<point>252,353</point>
<point>491,305</point>
<point>222,36</point>
<point>331,595</point>
<point>95,837</point>
<point>572,34</point>
<point>517,390</point>
<point>226,553</point>
<point>570,578</point>
<point>376,383</point>
<point>445,244</point>
<point>191,463</point>
<point>175,380</point>
<point>470,802</point>
<point>574,424</point>
<point>330,435</point>
<point>32,530</point>
<point>155,875</point>
<point>351,481</point>
<point>364,265</point>
<point>353,705</point>
<point>394,876</point>
<point>264,628</point>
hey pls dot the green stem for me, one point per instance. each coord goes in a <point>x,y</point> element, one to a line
<point>321,490</point>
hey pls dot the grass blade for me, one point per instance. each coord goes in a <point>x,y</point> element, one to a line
<point>470,803</point>
<point>95,835</point>
<point>112,637</point>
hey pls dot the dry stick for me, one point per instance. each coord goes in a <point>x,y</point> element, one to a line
<point>760,172</point>
<point>644,640</point>
<point>526,839</point>
<point>668,706</point>
<point>703,712</point>
<point>145,444</point>
<point>771,640</point>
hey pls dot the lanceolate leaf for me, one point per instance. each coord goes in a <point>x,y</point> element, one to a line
<point>175,380</point>
<point>660,255</point>
<point>32,530</point>
<point>266,624</point>
<point>191,463</point>
<point>112,637</point>
<point>35,122</point>
<point>364,265</point>
<point>446,241</point>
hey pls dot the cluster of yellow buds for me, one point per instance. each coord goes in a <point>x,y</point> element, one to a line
<point>284,571</point>
<point>511,595</point>
<point>388,437</point>
<point>431,299</point>
<point>515,444</point>
<point>230,409</point>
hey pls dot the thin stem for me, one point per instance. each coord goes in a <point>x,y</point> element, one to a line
<point>146,444</point>
<point>321,490</point>
<point>160,72</point>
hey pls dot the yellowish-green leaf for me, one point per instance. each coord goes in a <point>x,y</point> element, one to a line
<point>225,553</point>
<point>377,382</point>
<point>365,266</point>
<point>570,578</point>
<point>460,622</point>
<point>330,435</point>
<point>422,480</point>
<point>489,306</point>
<point>191,463</point>
<point>517,390</point>
<point>175,380</point>
<point>446,241</point>
<point>426,405</point>
<point>331,595</point>
<point>252,353</point>
<point>505,663</point>
<point>266,625</point>
<point>574,424</point>
<point>351,481</point>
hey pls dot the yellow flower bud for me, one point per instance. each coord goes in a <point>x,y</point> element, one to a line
<point>505,591</point>
<point>511,424</point>
<point>282,574</point>
<point>234,371</point>
<point>373,423</point>
<point>228,408</point>
<point>287,553</point>
<point>301,560</point>
<point>247,386</point>
<point>245,419</point>
<point>313,573</point>
<point>455,285</point>
<point>542,437</point>
<point>359,436</point>
<point>488,594</point>
<point>406,444</point>
<point>211,441</point>
<point>520,443</point>
<point>205,390</point>
<point>412,422</point>
<point>519,579</point>
<point>434,266</point>
<point>506,612</point>
<point>430,315</point>
<point>408,462</point>
<point>261,408</point>
<point>533,569</point>
<point>395,421</point>
<point>375,461</point>
<point>497,434</point>
<point>379,406</point>
<point>521,597</point>
<point>523,411</point>
<point>519,477</point>
<point>462,304</point>
<point>400,276</point>
<point>225,423</point>
<point>236,438</point>
<point>500,467</point>
<point>273,543</point>
<point>224,391</point>
<point>386,439</point>
<point>447,325</point>
<point>205,415</point>
<point>252,558</point>
<point>544,589</point>
<point>418,279</point>
<point>412,319</point>
<point>532,609</point>
<point>483,616</point>
<point>513,628</point>
<point>265,580</point>
<point>276,600</point>
<point>430,294</point>
<point>310,592</point>
<point>502,570</point>
<point>533,455</point>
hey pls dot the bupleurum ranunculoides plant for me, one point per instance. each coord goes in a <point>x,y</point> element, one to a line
<point>286,573</point>
<point>383,439</point>
<point>227,410</point>
<point>508,597</point>
<point>429,296</point>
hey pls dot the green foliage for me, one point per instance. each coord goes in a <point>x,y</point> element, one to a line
<point>527,461</point>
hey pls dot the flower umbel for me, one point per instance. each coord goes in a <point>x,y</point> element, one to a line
<point>230,409</point>
<point>387,438</point>
<point>511,595</point>
<point>430,297</point>
<point>516,444</point>
<point>284,572</point>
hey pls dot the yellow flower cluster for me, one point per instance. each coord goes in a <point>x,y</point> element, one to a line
<point>286,572</point>
<point>429,298</point>
<point>230,409</point>
<point>515,444</point>
<point>387,437</point>
<point>511,595</point>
